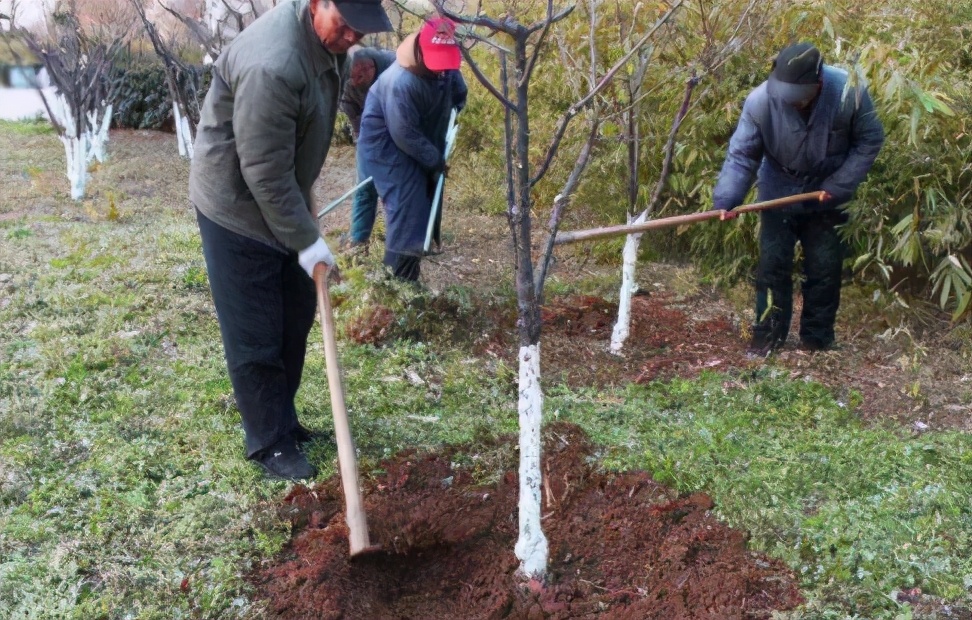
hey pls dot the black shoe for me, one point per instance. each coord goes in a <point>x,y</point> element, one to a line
<point>813,345</point>
<point>284,460</point>
<point>303,435</point>
<point>761,347</point>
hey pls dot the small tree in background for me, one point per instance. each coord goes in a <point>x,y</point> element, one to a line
<point>220,21</point>
<point>711,33</point>
<point>80,68</point>
<point>181,83</point>
<point>527,41</point>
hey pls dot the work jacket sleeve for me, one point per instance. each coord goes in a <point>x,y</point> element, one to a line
<point>265,125</point>
<point>459,91</point>
<point>865,141</point>
<point>742,160</point>
<point>404,127</point>
<point>352,104</point>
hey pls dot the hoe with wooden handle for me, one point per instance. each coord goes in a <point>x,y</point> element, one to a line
<point>347,461</point>
<point>679,220</point>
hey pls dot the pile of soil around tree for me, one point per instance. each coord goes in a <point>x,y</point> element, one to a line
<point>621,546</point>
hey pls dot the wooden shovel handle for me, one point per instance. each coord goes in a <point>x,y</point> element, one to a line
<point>347,460</point>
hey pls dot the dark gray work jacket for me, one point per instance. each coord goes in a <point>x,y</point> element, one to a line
<point>832,150</point>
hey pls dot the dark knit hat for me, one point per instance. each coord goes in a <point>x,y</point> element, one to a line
<point>796,75</point>
<point>799,63</point>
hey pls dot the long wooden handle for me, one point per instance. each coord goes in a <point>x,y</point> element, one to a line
<point>678,220</point>
<point>347,461</point>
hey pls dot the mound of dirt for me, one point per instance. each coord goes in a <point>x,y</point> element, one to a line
<point>621,546</point>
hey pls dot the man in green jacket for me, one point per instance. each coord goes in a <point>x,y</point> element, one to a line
<point>263,135</point>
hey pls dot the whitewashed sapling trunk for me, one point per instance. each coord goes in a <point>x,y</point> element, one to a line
<point>629,260</point>
<point>531,546</point>
<point>630,253</point>
<point>76,146</point>
<point>98,134</point>
<point>183,131</point>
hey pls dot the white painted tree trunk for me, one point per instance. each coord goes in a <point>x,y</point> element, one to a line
<point>183,132</point>
<point>76,146</point>
<point>216,13</point>
<point>98,134</point>
<point>531,547</point>
<point>629,260</point>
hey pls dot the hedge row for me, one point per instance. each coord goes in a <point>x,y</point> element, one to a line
<point>142,98</point>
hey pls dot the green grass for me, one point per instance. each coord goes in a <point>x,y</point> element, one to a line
<point>122,474</point>
<point>856,512</point>
<point>31,127</point>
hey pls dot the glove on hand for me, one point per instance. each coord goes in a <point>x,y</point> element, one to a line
<point>313,254</point>
<point>727,211</point>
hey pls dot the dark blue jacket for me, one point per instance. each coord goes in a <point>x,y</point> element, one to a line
<point>832,150</point>
<point>402,141</point>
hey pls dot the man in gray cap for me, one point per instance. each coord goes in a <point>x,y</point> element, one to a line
<point>367,63</point>
<point>804,129</point>
<point>264,132</point>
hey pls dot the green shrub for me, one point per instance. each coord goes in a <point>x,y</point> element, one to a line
<point>143,102</point>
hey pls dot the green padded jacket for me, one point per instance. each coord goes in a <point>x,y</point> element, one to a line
<point>265,129</point>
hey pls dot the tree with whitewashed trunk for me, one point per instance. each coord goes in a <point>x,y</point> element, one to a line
<point>512,90</point>
<point>80,68</point>
<point>722,32</point>
<point>219,21</point>
<point>180,81</point>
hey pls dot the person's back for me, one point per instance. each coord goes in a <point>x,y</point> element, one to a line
<point>409,114</point>
<point>795,154</point>
<point>271,83</point>
<point>402,139</point>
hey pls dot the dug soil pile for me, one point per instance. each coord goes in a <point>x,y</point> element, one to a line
<point>621,546</point>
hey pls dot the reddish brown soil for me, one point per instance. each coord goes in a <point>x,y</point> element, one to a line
<point>621,546</point>
<point>665,342</point>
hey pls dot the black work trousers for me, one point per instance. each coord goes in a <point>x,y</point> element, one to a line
<point>265,303</point>
<point>823,255</point>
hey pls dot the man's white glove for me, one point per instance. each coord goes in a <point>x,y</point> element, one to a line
<point>313,254</point>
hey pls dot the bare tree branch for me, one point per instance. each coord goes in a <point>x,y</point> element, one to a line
<point>471,63</point>
<point>546,24</point>
<point>197,29</point>
<point>506,26</point>
<point>605,80</point>
<point>561,202</point>
<point>690,85</point>
<point>551,18</point>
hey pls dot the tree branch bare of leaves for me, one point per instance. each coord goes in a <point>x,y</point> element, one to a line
<point>586,100</point>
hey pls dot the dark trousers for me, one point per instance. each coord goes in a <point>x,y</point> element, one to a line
<point>403,266</point>
<point>823,255</point>
<point>265,304</point>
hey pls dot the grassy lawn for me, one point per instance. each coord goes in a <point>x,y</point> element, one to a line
<point>123,488</point>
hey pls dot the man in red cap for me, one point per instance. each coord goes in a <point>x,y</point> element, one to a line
<point>402,139</point>
<point>264,131</point>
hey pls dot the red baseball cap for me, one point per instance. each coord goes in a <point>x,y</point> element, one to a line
<point>440,49</point>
